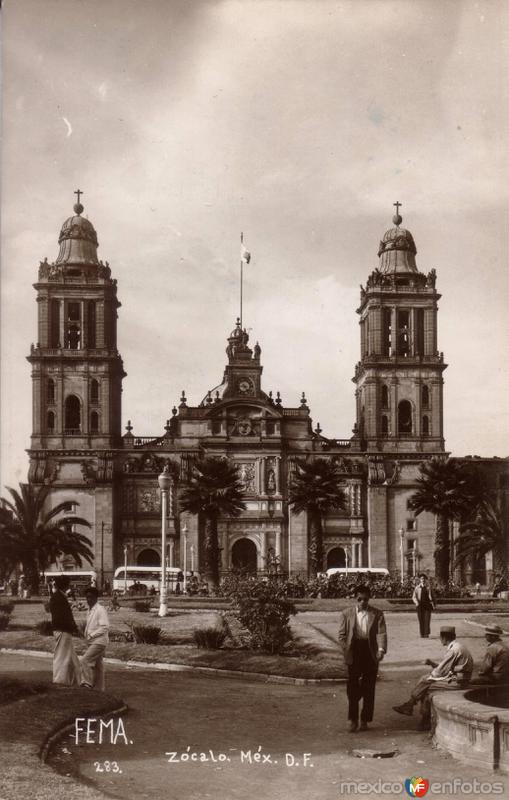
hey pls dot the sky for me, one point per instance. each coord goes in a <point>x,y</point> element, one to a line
<point>298,122</point>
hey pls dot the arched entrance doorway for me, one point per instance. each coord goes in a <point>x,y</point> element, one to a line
<point>244,555</point>
<point>479,570</point>
<point>336,557</point>
<point>148,558</point>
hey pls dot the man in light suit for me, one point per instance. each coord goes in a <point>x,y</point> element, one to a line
<point>424,602</point>
<point>363,639</point>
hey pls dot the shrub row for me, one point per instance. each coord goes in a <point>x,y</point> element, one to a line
<point>338,586</point>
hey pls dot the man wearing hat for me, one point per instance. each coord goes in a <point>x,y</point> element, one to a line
<point>424,602</point>
<point>453,672</point>
<point>495,664</point>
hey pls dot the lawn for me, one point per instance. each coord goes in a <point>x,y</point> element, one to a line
<point>311,657</point>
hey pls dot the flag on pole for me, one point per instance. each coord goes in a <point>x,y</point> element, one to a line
<point>245,255</point>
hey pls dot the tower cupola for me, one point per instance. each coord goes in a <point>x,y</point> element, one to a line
<point>397,249</point>
<point>78,239</point>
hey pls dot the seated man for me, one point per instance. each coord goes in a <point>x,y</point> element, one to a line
<point>495,664</point>
<point>453,672</point>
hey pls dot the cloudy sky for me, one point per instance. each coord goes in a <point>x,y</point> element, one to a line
<point>299,122</point>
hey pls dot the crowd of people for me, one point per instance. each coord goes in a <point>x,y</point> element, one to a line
<point>363,640</point>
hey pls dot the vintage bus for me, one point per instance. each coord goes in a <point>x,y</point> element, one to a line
<point>148,578</point>
<point>378,572</point>
<point>79,579</point>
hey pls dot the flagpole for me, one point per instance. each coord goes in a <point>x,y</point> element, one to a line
<point>241,276</point>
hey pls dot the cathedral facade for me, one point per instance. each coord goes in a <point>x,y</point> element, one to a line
<point>78,447</point>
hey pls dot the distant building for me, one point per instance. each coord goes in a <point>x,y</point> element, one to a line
<point>77,443</point>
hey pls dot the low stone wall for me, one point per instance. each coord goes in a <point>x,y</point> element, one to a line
<point>473,731</point>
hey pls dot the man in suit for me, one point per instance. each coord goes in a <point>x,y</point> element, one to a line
<point>363,639</point>
<point>424,602</point>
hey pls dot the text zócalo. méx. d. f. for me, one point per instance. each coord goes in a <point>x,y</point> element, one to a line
<point>255,756</point>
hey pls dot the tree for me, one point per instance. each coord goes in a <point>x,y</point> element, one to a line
<point>34,537</point>
<point>482,534</point>
<point>315,488</point>
<point>452,491</point>
<point>214,490</point>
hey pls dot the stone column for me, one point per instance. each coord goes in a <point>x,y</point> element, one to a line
<point>83,327</point>
<point>394,329</point>
<point>376,319</point>
<point>353,556</point>
<point>39,388</point>
<point>394,408</point>
<point>278,542</point>
<point>429,332</point>
<point>62,323</point>
<point>263,549</point>
<point>277,470</point>
<point>263,468</point>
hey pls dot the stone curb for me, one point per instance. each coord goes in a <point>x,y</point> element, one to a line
<point>223,673</point>
<point>52,738</point>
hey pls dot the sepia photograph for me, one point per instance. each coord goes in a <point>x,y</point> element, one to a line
<point>254,426</point>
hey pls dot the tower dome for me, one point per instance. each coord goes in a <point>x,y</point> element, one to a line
<point>397,249</point>
<point>77,240</point>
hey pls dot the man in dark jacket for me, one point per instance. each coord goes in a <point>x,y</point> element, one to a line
<point>363,639</point>
<point>66,665</point>
<point>424,602</point>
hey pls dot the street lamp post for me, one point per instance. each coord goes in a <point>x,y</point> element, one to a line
<point>102,556</point>
<point>125,569</point>
<point>401,553</point>
<point>184,534</point>
<point>164,481</point>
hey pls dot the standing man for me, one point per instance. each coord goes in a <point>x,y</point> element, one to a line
<point>96,635</point>
<point>424,602</point>
<point>66,666</point>
<point>363,639</point>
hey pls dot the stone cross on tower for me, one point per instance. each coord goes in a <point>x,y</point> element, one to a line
<point>78,192</point>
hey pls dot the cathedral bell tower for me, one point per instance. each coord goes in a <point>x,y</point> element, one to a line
<point>77,371</point>
<point>399,377</point>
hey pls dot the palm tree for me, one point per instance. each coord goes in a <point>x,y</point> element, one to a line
<point>34,537</point>
<point>315,488</point>
<point>482,534</point>
<point>214,490</point>
<point>452,491</point>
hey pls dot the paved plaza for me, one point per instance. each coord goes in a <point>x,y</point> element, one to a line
<point>186,714</point>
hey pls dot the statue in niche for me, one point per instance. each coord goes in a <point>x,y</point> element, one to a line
<point>271,481</point>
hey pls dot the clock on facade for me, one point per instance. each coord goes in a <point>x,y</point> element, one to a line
<point>245,386</point>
